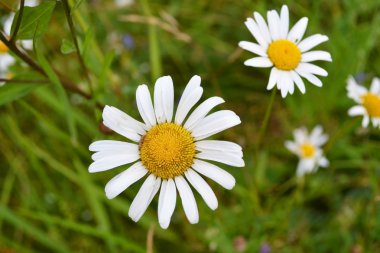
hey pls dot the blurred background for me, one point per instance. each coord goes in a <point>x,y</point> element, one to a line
<point>49,116</point>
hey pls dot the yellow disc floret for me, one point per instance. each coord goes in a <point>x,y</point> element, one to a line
<point>307,150</point>
<point>167,150</point>
<point>284,54</point>
<point>3,48</point>
<point>371,102</point>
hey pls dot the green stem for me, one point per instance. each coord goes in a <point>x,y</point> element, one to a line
<point>266,119</point>
<point>154,48</point>
<point>18,21</point>
<point>347,126</point>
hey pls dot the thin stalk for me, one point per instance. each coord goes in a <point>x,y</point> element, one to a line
<point>266,119</point>
<point>23,81</point>
<point>347,126</point>
<point>74,36</point>
<point>18,22</point>
<point>68,85</point>
<point>154,48</point>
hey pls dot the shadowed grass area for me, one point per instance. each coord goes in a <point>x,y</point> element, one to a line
<point>50,203</point>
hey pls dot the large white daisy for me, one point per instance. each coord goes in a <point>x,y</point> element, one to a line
<point>285,51</point>
<point>368,101</point>
<point>308,148</point>
<point>170,149</point>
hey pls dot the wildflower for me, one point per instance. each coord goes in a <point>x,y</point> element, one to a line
<point>285,51</point>
<point>368,101</point>
<point>169,149</point>
<point>308,149</point>
<point>6,60</point>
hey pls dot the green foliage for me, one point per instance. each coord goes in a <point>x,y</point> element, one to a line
<point>50,203</point>
<point>35,20</point>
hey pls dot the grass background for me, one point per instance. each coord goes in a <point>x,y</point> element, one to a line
<point>50,203</point>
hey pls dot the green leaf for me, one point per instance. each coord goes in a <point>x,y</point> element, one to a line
<point>67,47</point>
<point>10,92</point>
<point>35,20</point>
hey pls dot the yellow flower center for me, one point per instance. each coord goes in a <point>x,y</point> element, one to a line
<point>167,150</point>
<point>3,48</point>
<point>284,54</point>
<point>371,102</point>
<point>307,150</point>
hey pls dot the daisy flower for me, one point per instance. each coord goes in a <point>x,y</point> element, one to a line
<point>368,101</point>
<point>284,51</point>
<point>170,149</point>
<point>308,148</point>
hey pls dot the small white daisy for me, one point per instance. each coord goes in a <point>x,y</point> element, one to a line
<point>308,149</point>
<point>170,149</point>
<point>284,51</point>
<point>368,100</point>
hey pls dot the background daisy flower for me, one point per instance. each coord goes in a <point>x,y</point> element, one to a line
<point>6,60</point>
<point>368,101</point>
<point>284,51</point>
<point>169,148</point>
<point>308,148</point>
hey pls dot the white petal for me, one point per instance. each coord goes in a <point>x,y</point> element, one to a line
<point>112,161</point>
<point>145,106</point>
<point>263,27</point>
<point>27,44</point>
<point>187,199</point>
<point>106,145</point>
<point>300,135</point>
<point>311,68</point>
<point>213,145</point>
<point>259,62</point>
<point>311,42</point>
<point>122,181</point>
<point>274,24</point>
<point>190,97</point>
<point>222,157</point>
<point>143,198</point>
<point>316,56</point>
<point>201,111</point>
<point>122,123</point>
<point>6,60</point>
<point>298,81</point>
<point>365,121</point>
<point>159,100</point>
<point>317,137</point>
<point>323,162</point>
<point>254,29</point>
<point>287,84</point>
<point>128,151</point>
<point>292,147</point>
<point>310,77</point>
<point>273,77</point>
<point>305,166</point>
<point>355,91</point>
<point>215,123</point>
<point>375,86</point>
<point>357,110</point>
<point>284,22</point>
<point>168,98</point>
<point>8,23</point>
<point>253,47</point>
<point>202,188</point>
<point>298,30</point>
<point>215,173</point>
<point>166,202</point>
